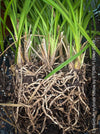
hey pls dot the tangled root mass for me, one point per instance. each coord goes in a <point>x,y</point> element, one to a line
<point>59,99</point>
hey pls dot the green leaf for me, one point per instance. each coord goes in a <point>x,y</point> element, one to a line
<point>66,62</point>
<point>89,40</point>
<point>26,8</point>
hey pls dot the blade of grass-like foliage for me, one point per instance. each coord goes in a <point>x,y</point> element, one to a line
<point>34,23</point>
<point>94,23</point>
<point>76,19</point>
<point>61,10</point>
<point>1,32</point>
<point>95,33</point>
<point>67,62</point>
<point>86,20</point>
<point>71,47</point>
<point>86,7</point>
<point>26,8</point>
<point>89,40</point>
<point>11,11</point>
<point>21,17</point>
<point>1,38</point>
<point>81,12</point>
<point>43,21</point>
<point>8,7</point>
<point>26,26</point>
<point>53,31</point>
<point>49,28</point>
<point>57,17</point>
<point>68,17</point>
<point>11,33</point>
<point>51,21</point>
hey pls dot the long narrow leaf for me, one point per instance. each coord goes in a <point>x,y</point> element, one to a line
<point>67,62</point>
<point>89,40</point>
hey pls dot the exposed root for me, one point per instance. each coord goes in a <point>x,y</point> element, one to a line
<point>59,99</point>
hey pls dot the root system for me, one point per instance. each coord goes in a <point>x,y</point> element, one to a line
<point>59,100</point>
